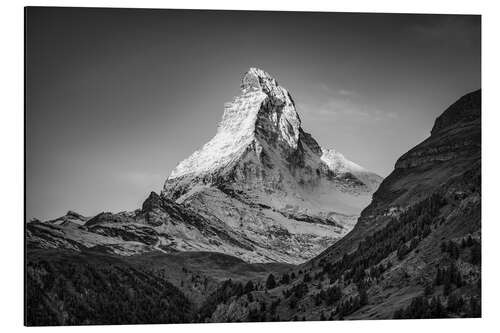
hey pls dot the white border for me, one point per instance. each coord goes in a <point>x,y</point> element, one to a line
<point>11,131</point>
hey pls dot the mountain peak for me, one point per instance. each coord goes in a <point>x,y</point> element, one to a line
<point>258,80</point>
<point>255,78</point>
<point>263,106</point>
<point>268,180</point>
<point>259,143</point>
<point>152,202</point>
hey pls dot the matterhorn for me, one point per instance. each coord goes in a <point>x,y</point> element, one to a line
<point>269,180</point>
<point>262,190</point>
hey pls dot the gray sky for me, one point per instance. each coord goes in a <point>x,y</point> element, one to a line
<point>116,98</point>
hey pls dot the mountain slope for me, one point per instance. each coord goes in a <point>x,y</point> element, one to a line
<point>416,250</point>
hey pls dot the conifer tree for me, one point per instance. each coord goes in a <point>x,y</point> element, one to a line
<point>270,282</point>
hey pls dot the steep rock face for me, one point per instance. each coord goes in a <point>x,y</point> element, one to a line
<point>265,177</point>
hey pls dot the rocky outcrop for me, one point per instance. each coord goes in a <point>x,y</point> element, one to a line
<point>151,203</point>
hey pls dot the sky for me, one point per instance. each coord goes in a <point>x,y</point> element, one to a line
<point>115,98</point>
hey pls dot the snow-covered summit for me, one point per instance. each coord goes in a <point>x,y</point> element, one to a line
<point>262,119</point>
<point>237,129</point>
